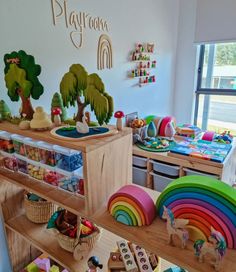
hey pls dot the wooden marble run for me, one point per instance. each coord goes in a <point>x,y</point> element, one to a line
<point>206,203</point>
<point>132,206</point>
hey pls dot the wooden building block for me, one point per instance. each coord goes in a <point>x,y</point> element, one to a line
<point>141,259</point>
<point>127,256</point>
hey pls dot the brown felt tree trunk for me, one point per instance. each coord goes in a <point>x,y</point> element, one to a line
<point>27,110</point>
<point>80,113</point>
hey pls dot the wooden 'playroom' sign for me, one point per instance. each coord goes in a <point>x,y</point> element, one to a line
<point>77,21</point>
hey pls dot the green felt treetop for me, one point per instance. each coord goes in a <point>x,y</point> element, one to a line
<point>76,84</point>
<point>4,110</point>
<point>21,78</point>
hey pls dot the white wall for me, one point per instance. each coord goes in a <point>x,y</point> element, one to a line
<point>27,25</point>
<point>185,63</point>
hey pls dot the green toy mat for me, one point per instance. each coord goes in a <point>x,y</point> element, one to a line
<point>156,145</point>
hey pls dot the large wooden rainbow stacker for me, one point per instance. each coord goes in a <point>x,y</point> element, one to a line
<point>205,202</point>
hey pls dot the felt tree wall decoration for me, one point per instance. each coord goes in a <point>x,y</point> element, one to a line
<point>58,103</point>
<point>77,85</point>
<point>21,78</point>
<point>4,110</point>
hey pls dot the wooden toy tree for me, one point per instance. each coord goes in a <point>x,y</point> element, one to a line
<point>4,110</point>
<point>58,103</point>
<point>77,85</point>
<point>21,77</point>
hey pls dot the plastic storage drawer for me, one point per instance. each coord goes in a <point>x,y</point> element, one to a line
<point>9,161</point>
<point>18,142</point>
<point>6,143</point>
<point>164,168</point>
<point>190,172</point>
<point>139,176</point>
<point>160,182</point>
<point>140,161</point>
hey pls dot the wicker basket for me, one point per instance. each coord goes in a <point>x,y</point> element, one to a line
<point>79,247</point>
<point>38,212</point>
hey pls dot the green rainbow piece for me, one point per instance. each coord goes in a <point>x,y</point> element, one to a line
<point>200,191</point>
<point>205,183</point>
<point>127,211</point>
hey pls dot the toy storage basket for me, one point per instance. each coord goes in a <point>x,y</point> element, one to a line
<point>78,246</point>
<point>38,212</point>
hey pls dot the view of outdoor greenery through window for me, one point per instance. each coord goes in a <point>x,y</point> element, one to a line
<point>218,112</point>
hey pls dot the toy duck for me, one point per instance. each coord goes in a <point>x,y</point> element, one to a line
<point>82,127</point>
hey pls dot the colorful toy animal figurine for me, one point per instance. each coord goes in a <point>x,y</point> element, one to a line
<point>175,227</point>
<point>215,247</point>
<point>93,264</point>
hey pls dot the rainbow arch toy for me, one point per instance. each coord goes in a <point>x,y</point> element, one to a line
<point>205,202</point>
<point>132,206</point>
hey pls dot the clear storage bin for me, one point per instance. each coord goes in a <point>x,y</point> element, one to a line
<point>46,153</point>
<point>18,143</point>
<point>22,164</point>
<point>6,143</point>
<point>71,181</point>
<point>35,169</point>
<point>68,159</point>
<point>51,176</point>
<point>31,149</point>
<point>9,161</point>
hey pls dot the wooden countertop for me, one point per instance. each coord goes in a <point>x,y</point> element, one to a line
<point>83,145</point>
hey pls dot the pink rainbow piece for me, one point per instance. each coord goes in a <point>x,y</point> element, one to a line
<point>136,200</point>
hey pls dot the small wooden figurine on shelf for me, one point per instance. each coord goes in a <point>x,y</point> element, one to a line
<point>175,227</point>
<point>216,247</point>
<point>93,264</point>
<point>56,112</point>
<point>119,115</point>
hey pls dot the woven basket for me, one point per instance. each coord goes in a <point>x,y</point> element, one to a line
<point>38,212</point>
<point>79,247</point>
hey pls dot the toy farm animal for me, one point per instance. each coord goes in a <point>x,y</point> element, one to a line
<point>215,247</point>
<point>175,227</point>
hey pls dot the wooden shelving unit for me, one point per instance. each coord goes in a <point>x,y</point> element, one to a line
<point>39,237</point>
<point>107,167</point>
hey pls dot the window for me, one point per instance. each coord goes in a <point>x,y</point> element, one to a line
<point>215,107</point>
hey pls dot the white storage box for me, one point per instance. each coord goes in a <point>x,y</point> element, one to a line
<point>140,161</point>
<point>190,172</point>
<point>164,168</point>
<point>160,182</point>
<point>139,176</point>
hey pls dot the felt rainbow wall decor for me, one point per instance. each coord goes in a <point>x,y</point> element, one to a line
<point>205,202</point>
<point>132,206</point>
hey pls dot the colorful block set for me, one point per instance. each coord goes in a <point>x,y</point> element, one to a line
<point>132,206</point>
<point>205,202</point>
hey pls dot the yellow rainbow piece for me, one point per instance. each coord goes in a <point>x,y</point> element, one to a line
<point>132,203</point>
<point>134,211</point>
<point>195,233</point>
